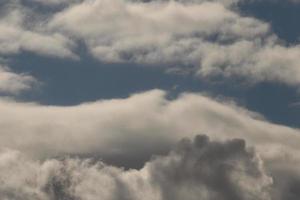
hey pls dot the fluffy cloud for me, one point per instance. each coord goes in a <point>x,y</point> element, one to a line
<point>198,169</point>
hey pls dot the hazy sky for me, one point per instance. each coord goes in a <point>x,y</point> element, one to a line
<point>154,100</point>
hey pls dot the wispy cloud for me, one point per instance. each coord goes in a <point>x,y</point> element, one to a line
<point>12,83</point>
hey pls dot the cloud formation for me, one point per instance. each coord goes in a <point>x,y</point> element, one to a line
<point>195,169</point>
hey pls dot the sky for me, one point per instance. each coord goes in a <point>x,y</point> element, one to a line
<point>154,100</point>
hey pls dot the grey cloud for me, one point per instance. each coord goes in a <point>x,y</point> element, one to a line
<point>198,169</point>
<point>211,170</point>
<point>286,183</point>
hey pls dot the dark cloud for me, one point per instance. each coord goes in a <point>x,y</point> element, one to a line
<point>286,180</point>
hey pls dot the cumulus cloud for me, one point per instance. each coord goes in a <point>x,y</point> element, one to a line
<point>195,169</point>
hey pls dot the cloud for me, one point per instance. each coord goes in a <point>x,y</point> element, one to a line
<point>206,37</point>
<point>270,62</point>
<point>197,169</point>
<point>211,170</point>
<point>22,30</point>
<point>56,2</point>
<point>149,32</point>
<point>119,130</point>
<point>201,37</point>
<point>12,83</point>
